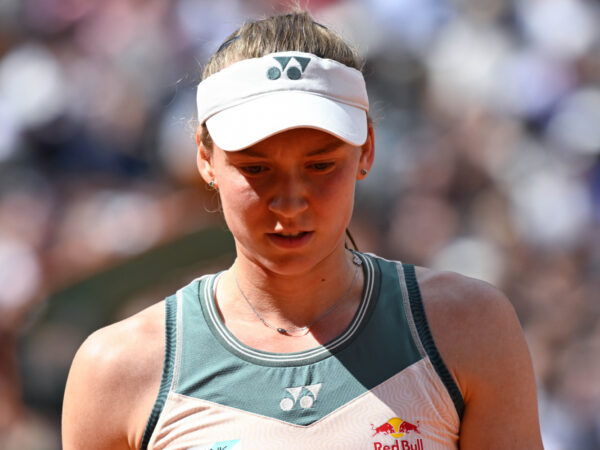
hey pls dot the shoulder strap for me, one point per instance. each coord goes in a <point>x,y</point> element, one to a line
<point>167,375</point>
<point>420,320</point>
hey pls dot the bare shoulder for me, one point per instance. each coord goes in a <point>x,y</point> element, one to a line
<point>478,334</point>
<point>466,315</point>
<point>113,382</point>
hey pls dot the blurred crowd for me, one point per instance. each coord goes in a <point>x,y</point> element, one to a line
<point>487,129</point>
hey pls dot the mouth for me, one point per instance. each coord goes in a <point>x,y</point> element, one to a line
<point>290,239</point>
<point>291,235</point>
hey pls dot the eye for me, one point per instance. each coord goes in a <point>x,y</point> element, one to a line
<point>254,169</point>
<point>321,166</point>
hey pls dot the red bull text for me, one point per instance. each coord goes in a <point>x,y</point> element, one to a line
<point>399,445</point>
<point>397,428</point>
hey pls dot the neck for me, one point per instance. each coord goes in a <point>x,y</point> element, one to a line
<point>289,300</point>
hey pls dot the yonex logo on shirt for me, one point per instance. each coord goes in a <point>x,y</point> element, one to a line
<point>306,401</point>
<point>235,444</point>
<point>293,73</point>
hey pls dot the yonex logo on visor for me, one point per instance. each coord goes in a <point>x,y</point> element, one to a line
<point>255,98</point>
<point>293,73</point>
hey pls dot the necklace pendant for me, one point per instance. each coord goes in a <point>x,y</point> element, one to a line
<point>282,331</point>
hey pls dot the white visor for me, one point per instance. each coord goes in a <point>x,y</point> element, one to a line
<point>254,99</point>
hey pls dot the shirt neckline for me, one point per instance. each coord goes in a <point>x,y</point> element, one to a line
<point>304,357</point>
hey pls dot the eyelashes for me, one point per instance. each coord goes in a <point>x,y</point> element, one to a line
<point>257,169</point>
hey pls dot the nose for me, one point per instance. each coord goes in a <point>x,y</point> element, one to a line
<point>289,196</point>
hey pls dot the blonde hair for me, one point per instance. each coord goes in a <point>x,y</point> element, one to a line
<point>296,31</point>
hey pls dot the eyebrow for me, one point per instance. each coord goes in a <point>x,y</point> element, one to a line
<point>327,148</point>
<point>334,145</point>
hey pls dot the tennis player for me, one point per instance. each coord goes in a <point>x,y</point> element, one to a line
<point>302,343</point>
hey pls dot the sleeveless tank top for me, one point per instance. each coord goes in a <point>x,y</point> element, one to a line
<point>381,384</point>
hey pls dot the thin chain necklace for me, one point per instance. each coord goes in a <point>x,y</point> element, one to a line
<point>305,329</point>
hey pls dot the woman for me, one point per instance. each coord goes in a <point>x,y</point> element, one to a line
<point>302,343</point>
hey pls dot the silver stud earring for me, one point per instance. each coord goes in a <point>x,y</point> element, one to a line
<point>363,171</point>
<point>211,184</point>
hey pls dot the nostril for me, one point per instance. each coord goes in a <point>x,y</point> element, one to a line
<point>288,205</point>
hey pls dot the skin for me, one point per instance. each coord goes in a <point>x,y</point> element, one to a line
<point>291,182</point>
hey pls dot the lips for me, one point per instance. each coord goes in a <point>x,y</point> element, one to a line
<point>291,235</point>
<point>291,239</point>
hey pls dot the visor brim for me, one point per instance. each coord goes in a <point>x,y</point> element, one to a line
<point>245,124</point>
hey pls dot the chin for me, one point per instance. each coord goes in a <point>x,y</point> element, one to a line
<point>288,261</point>
<point>288,264</point>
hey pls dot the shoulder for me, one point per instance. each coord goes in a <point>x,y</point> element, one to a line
<point>468,318</point>
<point>113,382</point>
<point>478,334</point>
<point>462,298</point>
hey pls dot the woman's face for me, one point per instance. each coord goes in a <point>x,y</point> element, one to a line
<point>288,199</point>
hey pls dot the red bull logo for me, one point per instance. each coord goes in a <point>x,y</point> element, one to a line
<point>400,445</point>
<point>386,428</point>
<point>397,428</point>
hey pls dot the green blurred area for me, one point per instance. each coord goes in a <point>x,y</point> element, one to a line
<point>54,331</point>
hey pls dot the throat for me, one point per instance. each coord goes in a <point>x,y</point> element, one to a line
<point>291,319</point>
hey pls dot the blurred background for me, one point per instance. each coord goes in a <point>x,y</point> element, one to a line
<point>487,124</point>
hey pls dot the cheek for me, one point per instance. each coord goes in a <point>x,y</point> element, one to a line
<point>234,192</point>
<point>338,187</point>
<point>239,202</point>
<point>336,195</point>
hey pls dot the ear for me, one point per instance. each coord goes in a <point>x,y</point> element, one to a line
<point>204,159</point>
<point>367,154</point>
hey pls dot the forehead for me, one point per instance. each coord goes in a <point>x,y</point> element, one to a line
<point>300,141</point>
